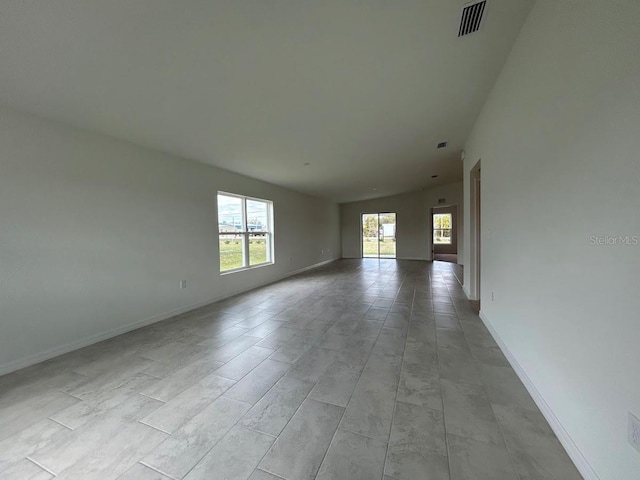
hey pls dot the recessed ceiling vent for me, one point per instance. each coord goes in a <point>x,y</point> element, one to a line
<point>472,15</point>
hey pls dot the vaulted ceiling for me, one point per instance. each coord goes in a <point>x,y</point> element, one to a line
<point>344,99</point>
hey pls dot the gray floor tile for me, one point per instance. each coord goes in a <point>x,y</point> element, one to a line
<point>255,320</point>
<point>420,385</point>
<point>278,337</point>
<point>25,442</point>
<point>505,388</point>
<point>24,414</point>
<point>179,453</point>
<point>468,412</point>
<point>377,314</point>
<point>184,406</point>
<point>397,321</point>
<point>354,457</point>
<point>245,362</point>
<point>274,410</point>
<point>26,470</point>
<point>116,455</point>
<point>257,382</point>
<point>68,448</point>
<point>184,359</point>
<point>164,352</point>
<point>459,366</point>
<point>80,413</point>
<point>234,457</point>
<point>422,330</point>
<point>337,384</point>
<point>370,409</point>
<point>447,321</point>
<point>418,426</point>
<point>142,472</point>
<point>453,339</point>
<point>489,356</point>
<point>333,341</point>
<point>420,352</point>
<point>262,475</point>
<point>368,329</point>
<point>473,460</point>
<point>265,329</point>
<point>390,342</point>
<point>377,371</point>
<point>180,380</point>
<point>478,335</point>
<point>312,365</point>
<point>300,449</point>
<point>219,336</point>
<point>409,462</point>
<point>234,348</point>
<point>383,368</point>
<point>295,348</point>
<point>445,308</point>
<point>536,452</point>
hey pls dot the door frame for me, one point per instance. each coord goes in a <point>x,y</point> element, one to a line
<point>453,210</point>
<point>395,236</point>
<point>475,247</point>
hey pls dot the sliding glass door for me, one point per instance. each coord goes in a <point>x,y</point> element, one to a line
<point>379,235</point>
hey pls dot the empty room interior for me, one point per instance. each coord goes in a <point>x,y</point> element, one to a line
<point>338,239</point>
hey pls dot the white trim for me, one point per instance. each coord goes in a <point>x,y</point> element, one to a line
<point>466,291</point>
<point>24,362</point>
<point>580,461</point>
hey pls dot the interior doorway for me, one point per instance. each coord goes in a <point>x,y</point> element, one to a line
<point>475,244</point>
<point>444,223</point>
<point>379,235</point>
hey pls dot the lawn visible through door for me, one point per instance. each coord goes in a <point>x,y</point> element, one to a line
<point>379,235</point>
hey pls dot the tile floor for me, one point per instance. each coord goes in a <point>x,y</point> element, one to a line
<point>363,369</point>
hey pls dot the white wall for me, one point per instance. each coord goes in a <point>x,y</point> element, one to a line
<point>559,142</point>
<point>95,235</point>
<point>413,227</point>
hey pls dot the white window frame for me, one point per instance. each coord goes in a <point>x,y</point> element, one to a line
<point>246,234</point>
<point>442,230</point>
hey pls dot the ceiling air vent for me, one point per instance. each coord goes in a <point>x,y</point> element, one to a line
<point>472,15</point>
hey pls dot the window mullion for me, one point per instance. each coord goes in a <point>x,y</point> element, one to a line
<point>245,234</point>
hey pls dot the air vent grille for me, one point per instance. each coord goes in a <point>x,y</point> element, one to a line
<point>471,18</point>
<point>442,144</point>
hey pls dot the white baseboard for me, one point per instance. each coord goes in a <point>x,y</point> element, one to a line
<point>24,362</point>
<point>467,292</point>
<point>304,269</point>
<point>579,460</point>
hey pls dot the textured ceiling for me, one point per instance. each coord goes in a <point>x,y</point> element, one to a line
<point>361,90</point>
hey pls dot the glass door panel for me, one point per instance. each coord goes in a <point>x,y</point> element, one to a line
<point>379,235</point>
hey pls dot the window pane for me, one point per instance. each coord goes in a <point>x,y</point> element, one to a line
<point>257,216</point>
<point>231,251</point>
<point>441,220</point>
<point>370,234</point>
<point>230,214</point>
<point>258,248</point>
<point>442,236</point>
<point>245,230</point>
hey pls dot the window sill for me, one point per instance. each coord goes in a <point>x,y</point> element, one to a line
<point>243,269</point>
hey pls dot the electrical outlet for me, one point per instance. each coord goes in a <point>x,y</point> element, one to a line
<point>183,284</point>
<point>492,296</point>
<point>634,431</point>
